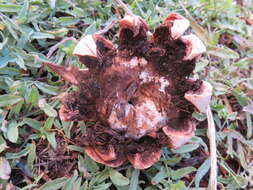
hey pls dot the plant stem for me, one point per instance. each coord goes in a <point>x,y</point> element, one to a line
<point>124,6</point>
<point>213,152</point>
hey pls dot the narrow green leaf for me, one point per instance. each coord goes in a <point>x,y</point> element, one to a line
<point>241,155</point>
<point>91,29</point>
<point>75,148</point>
<point>201,172</point>
<point>31,156</point>
<point>10,71</point>
<point>3,145</point>
<point>22,153</point>
<point>55,184</point>
<point>186,148</point>
<point>90,164</point>
<point>103,186</point>
<point>51,139</point>
<point>20,62</point>
<point>24,10</point>
<point>77,184</point>
<point>70,182</point>
<point>178,174</point>
<point>85,185</point>
<point>48,89</point>
<point>81,166</point>
<point>222,52</point>
<point>198,29</point>
<point>15,110</point>
<point>12,131</point>
<point>9,8</point>
<point>33,96</point>
<point>51,3</point>
<point>117,178</point>
<point>48,109</point>
<point>2,44</point>
<point>5,60</point>
<point>41,35</point>
<point>134,180</point>
<point>33,123</point>
<point>49,123</point>
<point>178,186</point>
<point>159,176</point>
<point>7,100</point>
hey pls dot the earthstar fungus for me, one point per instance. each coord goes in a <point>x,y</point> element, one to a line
<point>139,93</point>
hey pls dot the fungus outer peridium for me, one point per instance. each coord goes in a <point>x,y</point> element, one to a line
<point>130,106</point>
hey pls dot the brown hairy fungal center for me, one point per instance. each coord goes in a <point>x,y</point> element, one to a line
<point>139,94</point>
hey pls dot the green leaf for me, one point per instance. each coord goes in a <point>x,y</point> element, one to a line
<point>49,123</point>
<point>5,60</point>
<point>81,166</point>
<point>178,186</point>
<point>91,29</point>
<point>103,186</point>
<point>90,164</point>
<point>67,126</point>
<point>24,10</point>
<point>15,110</point>
<point>15,155</point>
<point>48,89</point>
<point>20,62</point>
<point>178,174</point>
<point>33,96</point>
<point>7,100</point>
<point>9,8</point>
<point>33,123</point>
<point>172,161</point>
<point>41,35</point>
<point>49,111</point>
<point>200,65</point>
<point>3,145</point>
<point>77,184</point>
<point>31,156</point>
<point>75,148</point>
<point>55,184</point>
<point>10,71</point>
<point>201,172</point>
<point>117,178</point>
<point>12,131</point>
<point>47,108</point>
<point>2,44</point>
<point>51,3</point>
<point>223,52</point>
<point>186,148</point>
<point>198,29</point>
<point>68,21</point>
<point>241,155</point>
<point>51,139</point>
<point>134,180</point>
<point>159,176</point>
<point>70,182</point>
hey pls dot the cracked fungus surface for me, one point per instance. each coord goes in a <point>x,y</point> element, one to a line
<point>139,94</point>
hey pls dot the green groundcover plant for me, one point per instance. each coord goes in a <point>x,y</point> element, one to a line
<point>39,151</point>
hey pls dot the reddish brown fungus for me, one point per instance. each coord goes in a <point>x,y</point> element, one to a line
<point>139,93</point>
